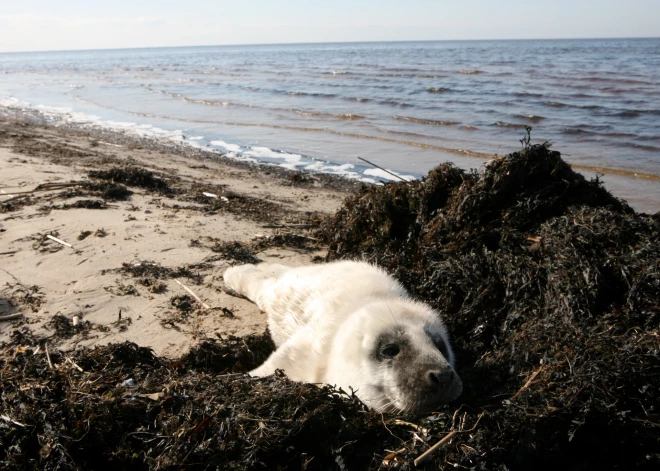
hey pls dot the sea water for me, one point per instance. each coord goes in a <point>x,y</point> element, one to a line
<point>406,106</point>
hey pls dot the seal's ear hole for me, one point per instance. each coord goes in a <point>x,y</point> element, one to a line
<point>390,350</point>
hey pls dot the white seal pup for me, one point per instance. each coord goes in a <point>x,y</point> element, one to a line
<point>351,325</point>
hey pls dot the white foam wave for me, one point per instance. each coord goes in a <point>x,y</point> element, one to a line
<point>225,145</point>
<point>382,174</point>
<point>253,154</point>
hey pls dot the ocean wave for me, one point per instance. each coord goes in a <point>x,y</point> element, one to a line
<point>504,124</point>
<point>346,116</point>
<point>437,90</point>
<point>431,122</point>
<point>532,117</point>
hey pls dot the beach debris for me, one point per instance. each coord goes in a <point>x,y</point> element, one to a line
<point>428,453</point>
<point>183,302</point>
<point>59,241</point>
<point>86,204</point>
<point>12,421</point>
<point>150,273</point>
<point>65,328</point>
<point>83,235</point>
<point>192,293</point>
<point>211,195</point>
<point>18,294</point>
<point>129,383</point>
<point>109,190</point>
<point>228,312</point>
<point>234,250</point>
<point>133,176</point>
<point>122,289</point>
<point>40,188</point>
<point>11,317</point>
<point>74,364</point>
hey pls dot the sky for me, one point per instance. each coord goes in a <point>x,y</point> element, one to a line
<point>41,25</point>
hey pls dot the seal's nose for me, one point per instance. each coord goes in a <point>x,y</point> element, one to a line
<point>441,379</point>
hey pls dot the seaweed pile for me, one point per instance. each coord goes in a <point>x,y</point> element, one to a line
<point>121,406</point>
<point>133,176</point>
<point>550,288</point>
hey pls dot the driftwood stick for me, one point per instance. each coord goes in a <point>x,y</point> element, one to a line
<point>58,240</point>
<point>42,187</point>
<point>11,252</point>
<point>12,421</point>
<point>50,363</point>
<point>386,171</point>
<point>428,453</point>
<point>204,305</point>
<point>10,317</point>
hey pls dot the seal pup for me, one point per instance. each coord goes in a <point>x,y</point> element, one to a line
<point>351,325</point>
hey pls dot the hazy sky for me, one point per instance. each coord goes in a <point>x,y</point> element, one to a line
<point>87,24</point>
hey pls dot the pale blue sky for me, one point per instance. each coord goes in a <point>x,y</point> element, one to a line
<point>85,24</point>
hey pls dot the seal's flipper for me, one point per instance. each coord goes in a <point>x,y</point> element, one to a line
<point>297,357</point>
<point>247,280</point>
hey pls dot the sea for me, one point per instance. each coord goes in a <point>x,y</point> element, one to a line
<point>403,106</point>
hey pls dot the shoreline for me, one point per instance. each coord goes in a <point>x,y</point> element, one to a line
<point>639,189</point>
<point>118,280</point>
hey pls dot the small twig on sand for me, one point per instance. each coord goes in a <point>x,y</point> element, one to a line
<point>10,317</point>
<point>42,187</point>
<point>12,421</point>
<point>11,252</point>
<point>204,305</point>
<point>50,363</point>
<point>386,171</point>
<point>15,279</point>
<point>58,240</point>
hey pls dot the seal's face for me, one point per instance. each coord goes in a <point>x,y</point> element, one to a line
<point>417,371</point>
<point>407,363</point>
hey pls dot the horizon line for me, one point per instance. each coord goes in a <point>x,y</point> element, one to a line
<point>325,42</point>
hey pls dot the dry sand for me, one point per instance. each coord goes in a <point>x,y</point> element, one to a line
<point>40,278</point>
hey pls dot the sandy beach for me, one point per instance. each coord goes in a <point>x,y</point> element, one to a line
<point>119,276</point>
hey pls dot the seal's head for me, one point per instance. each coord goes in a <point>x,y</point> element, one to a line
<point>401,352</point>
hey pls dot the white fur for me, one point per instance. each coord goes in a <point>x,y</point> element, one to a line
<point>326,320</point>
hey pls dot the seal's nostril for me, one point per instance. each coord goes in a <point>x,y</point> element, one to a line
<point>439,379</point>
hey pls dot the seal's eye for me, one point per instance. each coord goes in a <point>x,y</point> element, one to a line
<point>390,350</point>
<point>442,346</point>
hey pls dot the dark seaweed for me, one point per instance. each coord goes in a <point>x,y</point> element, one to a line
<point>550,288</point>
